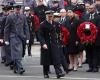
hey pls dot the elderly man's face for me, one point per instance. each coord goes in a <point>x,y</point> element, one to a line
<point>63,13</point>
<point>91,9</point>
<point>87,6</point>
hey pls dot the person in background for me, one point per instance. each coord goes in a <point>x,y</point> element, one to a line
<point>72,22</point>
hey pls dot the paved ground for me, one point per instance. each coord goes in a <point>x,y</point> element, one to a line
<point>34,70</point>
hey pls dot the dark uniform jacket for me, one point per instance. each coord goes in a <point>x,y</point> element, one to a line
<point>96,20</point>
<point>16,31</point>
<point>49,34</point>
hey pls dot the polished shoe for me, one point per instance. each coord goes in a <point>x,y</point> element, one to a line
<point>3,61</point>
<point>60,75</point>
<point>95,70</point>
<point>49,72</point>
<point>21,71</point>
<point>15,71</point>
<point>11,67</point>
<point>46,76</point>
<point>67,72</point>
<point>7,64</point>
<point>90,70</point>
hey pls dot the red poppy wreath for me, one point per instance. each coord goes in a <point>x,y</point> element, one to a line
<point>87,32</point>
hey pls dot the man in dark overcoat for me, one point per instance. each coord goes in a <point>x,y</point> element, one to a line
<point>40,10</point>
<point>51,47</point>
<point>93,51</point>
<point>16,31</point>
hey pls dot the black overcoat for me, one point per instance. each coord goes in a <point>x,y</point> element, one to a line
<point>49,34</point>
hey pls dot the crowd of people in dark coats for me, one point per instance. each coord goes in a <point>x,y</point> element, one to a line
<point>55,25</point>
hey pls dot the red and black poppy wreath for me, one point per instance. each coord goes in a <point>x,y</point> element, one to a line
<point>87,32</point>
<point>65,35</point>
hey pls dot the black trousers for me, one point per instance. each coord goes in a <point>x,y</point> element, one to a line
<point>65,60</point>
<point>92,53</point>
<point>57,68</point>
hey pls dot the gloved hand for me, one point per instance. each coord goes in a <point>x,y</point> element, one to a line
<point>27,41</point>
<point>45,46</point>
<point>6,42</point>
<point>1,40</point>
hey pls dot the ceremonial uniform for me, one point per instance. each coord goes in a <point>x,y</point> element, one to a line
<point>49,35</point>
<point>16,31</point>
<point>3,56</point>
<point>6,49</point>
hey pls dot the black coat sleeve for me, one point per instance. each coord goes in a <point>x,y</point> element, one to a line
<point>41,35</point>
<point>26,29</point>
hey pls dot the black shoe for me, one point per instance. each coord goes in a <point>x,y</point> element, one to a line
<point>21,71</point>
<point>95,70</point>
<point>3,61</point>
<point>67,72</point>
<point>70,69</point>
<point>15,71</point>
<point>7,64</point>
<point>90,70</point>
<point>60,75</point>
<point>46,76</point>
<point>49,72</point>
<point>11,67</point>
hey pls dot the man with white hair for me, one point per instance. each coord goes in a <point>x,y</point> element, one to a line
<point>63,16</point>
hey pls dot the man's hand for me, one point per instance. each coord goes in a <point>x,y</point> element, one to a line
<point>45,46</point>
<point>1,40</point>
<point>6,42</point>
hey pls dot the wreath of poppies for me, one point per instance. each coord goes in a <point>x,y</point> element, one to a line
<point>65,35</point>
<point>87,34</point>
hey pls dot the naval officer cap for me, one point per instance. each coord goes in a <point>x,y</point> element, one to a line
<point>56,14</point>
<point>49,12</point>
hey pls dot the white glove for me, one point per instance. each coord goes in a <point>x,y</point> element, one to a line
<point>1,40</point>
<point>6,42</point>
<point>27,41</point>
<point>45,46</point>
<point>77,42</point>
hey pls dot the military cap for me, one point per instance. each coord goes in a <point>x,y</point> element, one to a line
<point>56,14</point>
<point>7,7</point>
<point>27,8</point>
<point>18,5</point>
<point>55,1</point>
<point>49,12</point>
